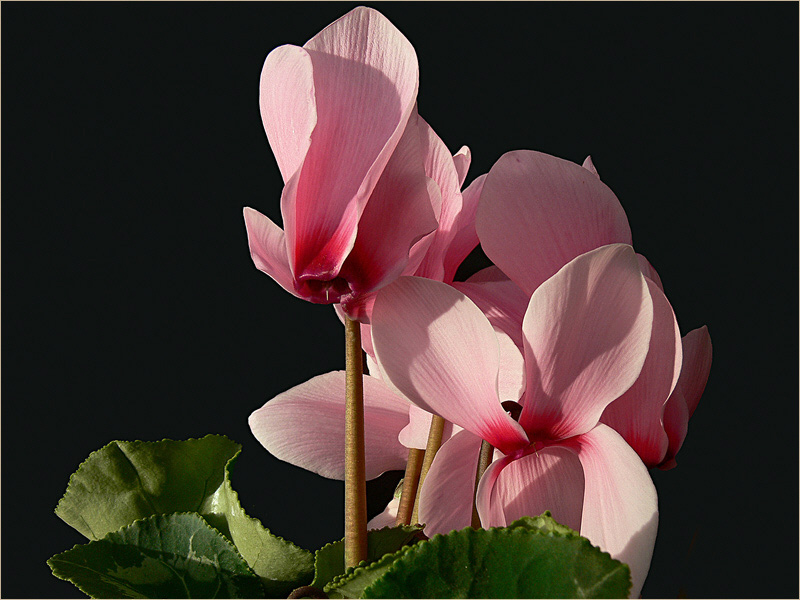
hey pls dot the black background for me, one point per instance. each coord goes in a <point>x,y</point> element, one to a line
<point>131,309</point>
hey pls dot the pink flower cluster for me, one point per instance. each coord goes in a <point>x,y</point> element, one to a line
<point>570,323</point>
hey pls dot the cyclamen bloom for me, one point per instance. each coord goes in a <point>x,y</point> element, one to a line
<point>586,334</point>
<point>340,116</point>
<point>537,212</point>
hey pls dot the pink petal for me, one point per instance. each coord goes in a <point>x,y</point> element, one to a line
<point>415,434</point>
<point>620,507</point>
<point>288,107</point>
<point>445,501</point>
<point>465,238</point>
<point>637,415</point>
<point>440,166</point>
<point>648,271</point>
<point>676,424</point>
<point>589,166</point>
<point>587,334</point>
<point>365,86</point>
<point>387,518</point>
<point>696,366</point>
<point>538,212</point>
<point>436,347</point>
<point>513,487</point>
<point>503,303</point>
<point>268,248</point>
<point>462,159</point>
<point>397,215</point>
<point>511,377</point>
<point>304,426</point>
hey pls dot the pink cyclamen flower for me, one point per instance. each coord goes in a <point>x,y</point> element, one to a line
<point>586,334</point>
<point>536,213</point>
<point>340,116</point>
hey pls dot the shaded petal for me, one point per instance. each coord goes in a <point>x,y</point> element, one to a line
<point>465,238</point>
<point>440,166</point>
<point>445,501</point>
<point>511,376</point>
<point>397,215</point>
<point>304,426</point>
<point>268,248</point>
<point>696,366</point>
<point>437,348</point>
<point>648,271</point>
<point>550,478</point>
<point>415,434</point>
<point>637,415</point>
<point>676,424</point>
<point>288,107</point>
<point>503,303</point>
<point>462,160</point>
<point>387,518</point>
<point>538,212</point>
<point>620,507</point>
<point>587,334</point>
<point>365,85</point>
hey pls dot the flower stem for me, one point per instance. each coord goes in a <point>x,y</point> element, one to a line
<point>410,485</point>
<point>434,441</point>
<point>355,485</point>
<point>484,459</point>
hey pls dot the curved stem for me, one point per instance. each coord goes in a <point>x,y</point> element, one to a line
<point>484,459</point>
<point>355,485</point>
<point>434,441</point>
<point>410,485</point>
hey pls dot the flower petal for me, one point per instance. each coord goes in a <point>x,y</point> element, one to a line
<point>398,214</point>
<point>288,107</point>
<point>415,434</point>
<point>304,426</point>
<point>439,350</point>
<point>511,376</point>
<point>387,518</point>
<point>538,212</point>
<point>365,85</point>
<point>550,478</point>
<point>620,507</point>
<point>268,248</point>
<point>503,303</point>
<point>465,238</point>
<point>697,366</point>
<point>587,334</point>
<point>676,424</point>
<point>462,159</point>
<point>445,501</point>
<point>648,271</point>
<point>637,415</point>
<point>589,166</point>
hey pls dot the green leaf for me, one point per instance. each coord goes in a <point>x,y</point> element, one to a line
<point>163,556</point>
<point>532,558</point>
<point>329,560</point>
<point>355,580</point>
<point>126,481</point>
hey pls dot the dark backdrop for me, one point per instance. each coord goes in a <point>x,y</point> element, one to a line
<point>131,310</point>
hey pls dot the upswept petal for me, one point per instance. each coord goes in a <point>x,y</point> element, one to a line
<point>398,214</point>
<point>511,376</point>
<point>465,238</point>
<point>538,212</point>
<point>620,506</point>
<point>445,501</point>
<point>440,166</point>
<point>697,366</point>
<point>503,303</point>
<point>638,414</point>
<point>387,518</point>
<point>648,271</point>
<point>586,333</point>
<point>513,487</point>
<point>462,160</point>
<point>676,424</point>
<point>268,248</point>
<point>439,350</point>
<point>288,107</point>
<point>365,85</point>
<point>589,166</point>
<point>304,426</point>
